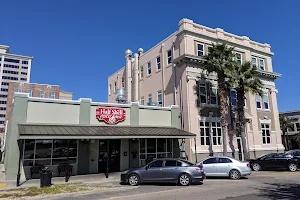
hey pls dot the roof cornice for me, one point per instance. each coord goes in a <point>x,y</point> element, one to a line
<point>16,56</point>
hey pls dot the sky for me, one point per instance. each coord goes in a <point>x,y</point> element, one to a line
<point>77,44</point>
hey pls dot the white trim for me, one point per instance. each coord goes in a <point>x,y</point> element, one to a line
<point>39,137</point>
<point>157,63</point>
<point>168,57</point>
<point>197,50</point>
<point>161,97</point>
<point>265,121</point>
<point>268,101</point>
<point>148,68</point>
<point>264,64</point>
<point>266,148</point>
<point>210,88</point>
<point>240,55</point>
<point>207,151</point>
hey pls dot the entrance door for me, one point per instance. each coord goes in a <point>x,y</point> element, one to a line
<point>240,147</point>
<point>109,150</point>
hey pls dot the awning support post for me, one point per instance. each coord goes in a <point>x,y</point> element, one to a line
<point>195,150</point>
<point>67,171</point>
<point>107,160</point>
<point>20,145</point>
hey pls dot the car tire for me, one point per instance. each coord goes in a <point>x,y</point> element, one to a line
<point>256,167</point>
<point>133,180</point>
<point>184,179</point>
<point>292,167</point>
<point>234,174</point>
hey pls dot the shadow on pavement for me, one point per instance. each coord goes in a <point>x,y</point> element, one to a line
<point>276,191</point>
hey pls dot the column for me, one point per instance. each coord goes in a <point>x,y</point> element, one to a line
<point>128,56</point>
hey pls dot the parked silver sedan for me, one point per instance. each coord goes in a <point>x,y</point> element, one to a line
<point>165,170</point>
<point>221,166</point>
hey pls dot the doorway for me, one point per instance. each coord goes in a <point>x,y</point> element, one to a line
<point>109,150</point>
<point>240,148</point>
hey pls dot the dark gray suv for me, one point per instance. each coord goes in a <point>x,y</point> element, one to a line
<point>165,170</point>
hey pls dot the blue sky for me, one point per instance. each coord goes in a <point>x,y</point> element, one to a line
<point>78,43</point>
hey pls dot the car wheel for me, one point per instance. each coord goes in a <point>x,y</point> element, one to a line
<point>133,179</point>
<point>184,179</point>
<point>256,167</point>
<point>292,167</point>
<point>234,174</point>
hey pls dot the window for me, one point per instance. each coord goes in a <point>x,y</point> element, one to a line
<point>109,89</point>
<point>1,122</point>
<point>42,94</point>
<point>25,62</point>
<point>24,67</point>
<point>149,99</point>
<point>158,67</point>
<point>30,93</point>
<point>4,89</point>
<point>10,72</point>
<point>210,161</point>
<point>213,95</point>
<point>170,163</point>
<point>2,108</point>
<point>52,95</point>
<point>258,101</point>
<point>17,90</point>
<point>156,164</point>
<point>169,56</point>
<point>10,78</point>
<point>3,96</point>
<point>200,49</point>
<point>233,97</point>
<point>141,72</point>
<point>4,83</point>
<point>2,102</point>
<point>142,101</point>
<point>204,133</point>
<point>238,57</point>
<point>159,98</point>
<point>2,115</point>
<point>23,79</point>
<point>202,93</point>
<point>266,101</point>
<point>11,60</point>
<point>115,86</point>
<point>123,82</point>
<point>216,133</point>
<point>254,62</point>
<point>262,64</point>
<point>24,73</point>
<point>149,68</point>
<point>265,128</point>
<point>11,66</point>
<point>224,160</point>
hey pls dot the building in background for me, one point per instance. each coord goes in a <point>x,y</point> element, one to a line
<point>34,90</point>
<point>294,115</point>
<point>14,68</point>
<point>167,73</point>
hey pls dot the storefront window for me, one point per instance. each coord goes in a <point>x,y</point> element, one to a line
<point>151,145</point>
<point>155,148</point>
<point>161,145</point>
<point>43,149</point>
<point>29,149</point>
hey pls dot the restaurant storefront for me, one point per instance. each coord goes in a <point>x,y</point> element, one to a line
<point>90,137</point>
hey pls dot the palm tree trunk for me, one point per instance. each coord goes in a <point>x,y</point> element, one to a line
<point>285,143</point>
<point>223,109</point>
<point>241,119</point>
<point>230,136</point>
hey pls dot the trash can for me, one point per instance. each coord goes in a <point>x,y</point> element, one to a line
<point>45,177</point>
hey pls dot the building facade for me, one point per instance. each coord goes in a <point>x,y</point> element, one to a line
<point>85,134</point>
<point>14,68</point>
<point>168,72</point>
<point>34,90</point>
<point>294,115</point>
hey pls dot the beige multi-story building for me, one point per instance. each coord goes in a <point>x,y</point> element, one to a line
<point>34,90</point>
<point>14,68</point>
<point>167,73</point>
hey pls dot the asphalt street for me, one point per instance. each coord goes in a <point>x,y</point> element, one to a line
<point>258,186</point>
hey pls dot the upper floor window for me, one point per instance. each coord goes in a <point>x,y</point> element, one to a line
<point>266,137</point>
<point>149,68</point>
<point>25,62</point>
<point>11,60</point>
<point>5,83</point>
<point>42,94</point>
<point>3,96</point>
<point>261,64</point>
<point>266,101</point>
<point>254,62</point>
<point>213,95</point>
<point>30,93</point>
<point>233,97</point>
<point>238,57</point>
<point>216,133</point>
<point>2,102</point>
<point>24,73</point>
<point>4,89</point>
<point>159,98</point>
<point>142,101</point>
<point>24,67</point>
<point>141,72</point>
<point>204,133</point>
<point>169,56</point>
<point>52,95</point>
<point>149,99</point>
<point>158,67</point>
<point>2,115</point>
<point>10,72</point>
<point>17,90</point>
<point>2,108</point>
<point>115,86</point>
<point>23,79</point>
<point>11,66</point>
<point>200,49</point>
<point>123,82</point>
<point>202,93</point>
<point>10,78</point>
<point>258,101</point>
<point>1,122</point>
<point>109,89</point>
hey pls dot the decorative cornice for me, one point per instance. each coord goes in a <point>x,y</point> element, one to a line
<point>272,75</point>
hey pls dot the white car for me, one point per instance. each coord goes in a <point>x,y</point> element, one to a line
<point>221,166</point>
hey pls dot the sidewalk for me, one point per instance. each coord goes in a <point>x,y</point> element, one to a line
<point>90,179</point>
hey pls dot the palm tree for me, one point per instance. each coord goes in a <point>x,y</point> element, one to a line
<point>285,124</point>
<point>219,60</point>
<point>244,79</point>
<point>297,137</point>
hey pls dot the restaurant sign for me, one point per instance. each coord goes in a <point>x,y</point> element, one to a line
<point>110,115</point>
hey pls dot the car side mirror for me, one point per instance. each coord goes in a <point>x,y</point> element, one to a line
<point>147,166</point>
